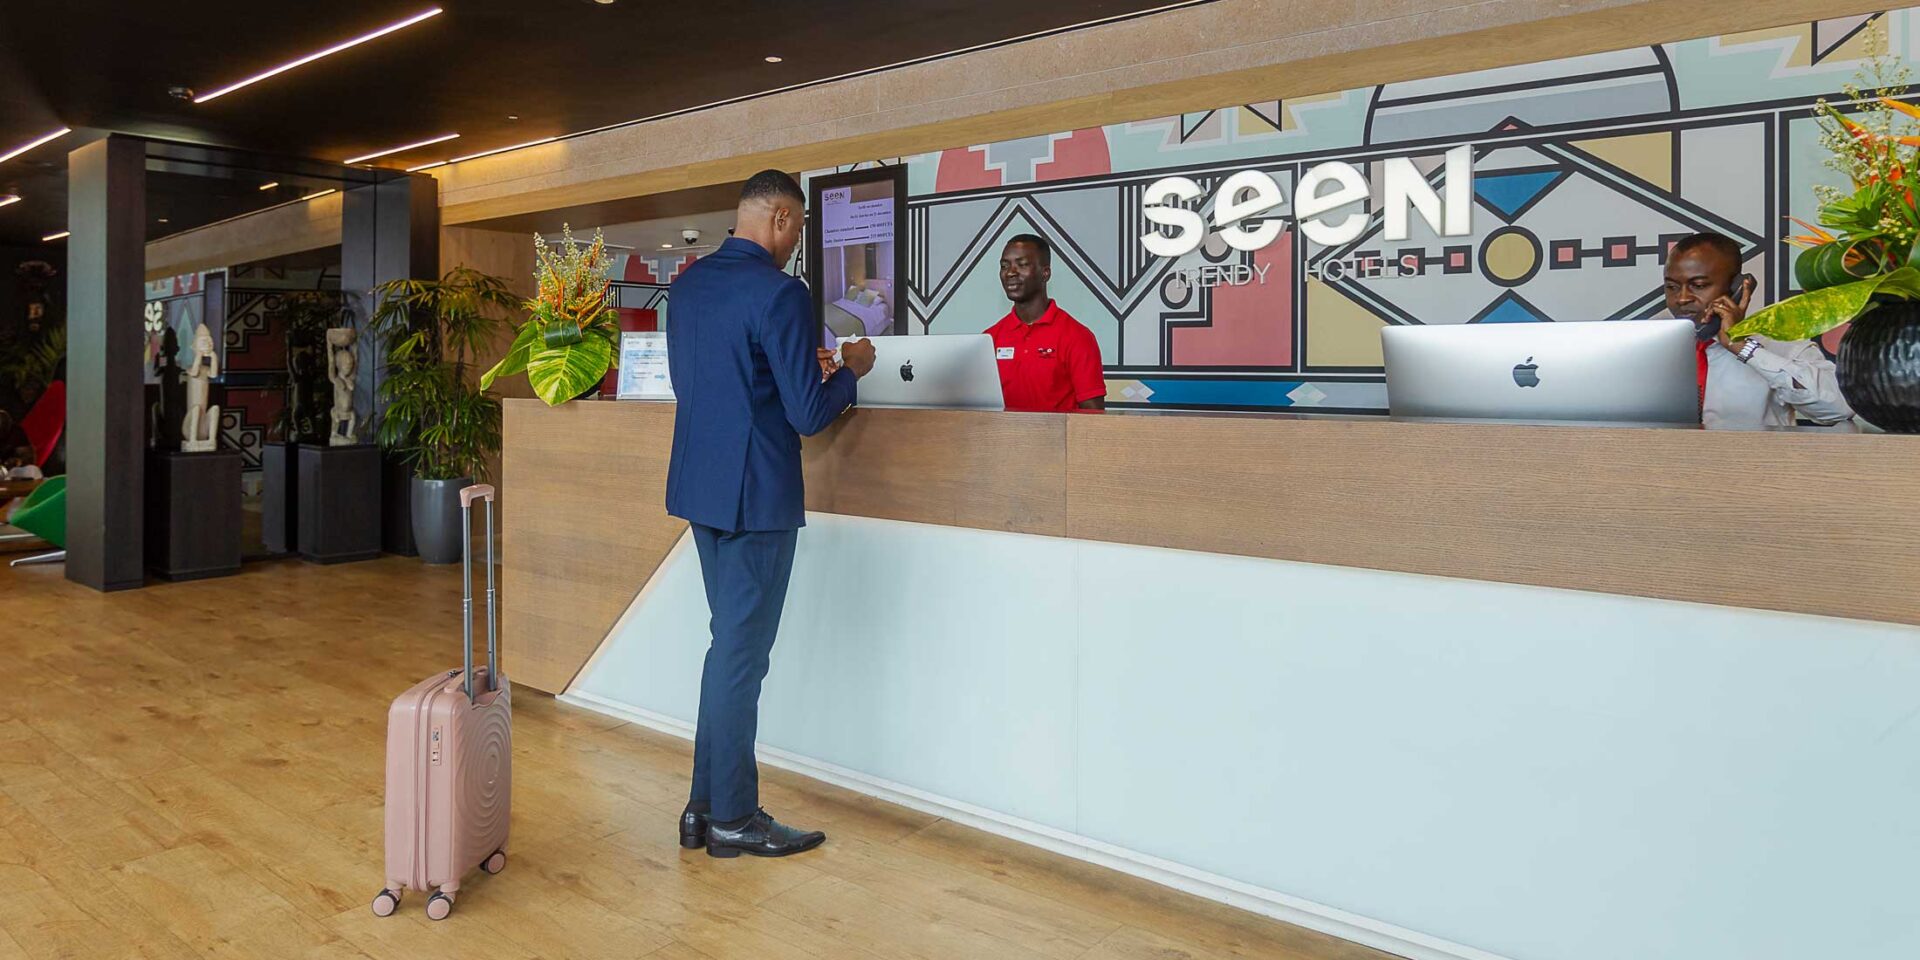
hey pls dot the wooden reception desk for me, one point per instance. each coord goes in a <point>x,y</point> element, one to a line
<point>1803,522</point>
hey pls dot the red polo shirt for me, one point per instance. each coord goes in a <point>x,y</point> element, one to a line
<point>1049,365</point>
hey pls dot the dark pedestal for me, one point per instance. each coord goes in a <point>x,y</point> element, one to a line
<point>279,503</point>
<point>193,514</point>
<point>396,507</point>
<point>339,503</point>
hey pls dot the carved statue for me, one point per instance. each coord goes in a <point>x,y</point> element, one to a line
<point>200,430</point>
<point>168,412</point>
<point>341,364</point>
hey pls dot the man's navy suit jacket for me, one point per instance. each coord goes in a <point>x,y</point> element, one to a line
<point>740,349</point>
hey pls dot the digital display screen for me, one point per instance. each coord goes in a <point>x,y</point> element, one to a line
<point>856,254</point>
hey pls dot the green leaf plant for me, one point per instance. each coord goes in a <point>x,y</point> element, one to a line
<point>569,339</point>
<point>1864,250</point>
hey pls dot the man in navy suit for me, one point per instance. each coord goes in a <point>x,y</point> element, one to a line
<point>750,380</point>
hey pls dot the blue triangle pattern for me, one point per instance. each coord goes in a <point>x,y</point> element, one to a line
<point>1510,310</point>
<point>1509,192</point>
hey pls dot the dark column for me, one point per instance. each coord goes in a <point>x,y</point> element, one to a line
<point>106,274</point>
<point>389,231</point>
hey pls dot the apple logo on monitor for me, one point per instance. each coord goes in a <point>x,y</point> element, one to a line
<point>1527,374</point>
<point>906,371</point>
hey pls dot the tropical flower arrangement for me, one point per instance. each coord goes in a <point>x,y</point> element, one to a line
<point>570,338</point>
<point>1863,250</point>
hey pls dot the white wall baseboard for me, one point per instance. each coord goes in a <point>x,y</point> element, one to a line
<point>1305,913</point>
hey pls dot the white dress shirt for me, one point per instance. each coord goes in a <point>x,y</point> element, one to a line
<point>1781,383</point>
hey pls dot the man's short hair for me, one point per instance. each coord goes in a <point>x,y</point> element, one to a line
<point>772,185</point>
<point>1718,242</point>
<point>1039,243</point>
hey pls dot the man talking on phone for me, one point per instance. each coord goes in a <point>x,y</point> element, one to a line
<point>1751,382</point>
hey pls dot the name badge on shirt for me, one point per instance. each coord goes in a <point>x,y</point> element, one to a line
<point>1003,353</point>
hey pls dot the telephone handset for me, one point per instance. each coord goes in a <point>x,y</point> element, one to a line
<point>1708,326</point>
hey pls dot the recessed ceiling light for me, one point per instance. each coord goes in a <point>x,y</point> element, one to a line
<point>428,166</point>
<point>315,196</point>
<point>23,148</point>
<point>513,116</point>
<point>443,138</point>
<point>773,59</point>
<point>666,246</point>
<point>604,3</point>
<point>51,237</point>
<point>8,198</point>
<point>270,185</point>
<point>311,57</point>
<point>163,220</point>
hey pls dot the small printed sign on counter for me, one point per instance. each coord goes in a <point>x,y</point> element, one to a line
<point>643,366</point>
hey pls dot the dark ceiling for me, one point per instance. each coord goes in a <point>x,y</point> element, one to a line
<point>560,66</point>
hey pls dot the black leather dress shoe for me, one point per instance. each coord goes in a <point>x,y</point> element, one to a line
<point>693,829</point>
<point>762,836</point>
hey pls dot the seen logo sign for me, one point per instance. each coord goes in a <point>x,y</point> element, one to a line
<point>1250,209</point>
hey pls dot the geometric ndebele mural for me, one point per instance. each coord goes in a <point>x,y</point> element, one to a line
<point>1585,170</point>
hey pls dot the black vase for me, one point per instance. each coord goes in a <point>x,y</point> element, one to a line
<point>1879,367</point>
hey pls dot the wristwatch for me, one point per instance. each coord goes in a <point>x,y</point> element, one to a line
<point>1748,348</point>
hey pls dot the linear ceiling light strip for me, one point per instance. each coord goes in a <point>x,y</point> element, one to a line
<point>311,57</point>
<point>23,148</point>
<point>443,138</point>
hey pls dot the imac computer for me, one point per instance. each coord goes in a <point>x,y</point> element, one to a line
<point>1618,371</point>
<point>952,371</point>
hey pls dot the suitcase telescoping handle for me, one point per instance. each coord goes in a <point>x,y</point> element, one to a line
<point>479,491</point>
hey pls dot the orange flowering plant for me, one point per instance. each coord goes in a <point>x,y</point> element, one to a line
<point>570,338</point>
<point>1863,250</point>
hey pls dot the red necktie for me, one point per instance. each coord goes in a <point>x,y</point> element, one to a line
<point>1701,352</point>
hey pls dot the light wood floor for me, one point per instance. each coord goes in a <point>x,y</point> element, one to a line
<point>194,770</point>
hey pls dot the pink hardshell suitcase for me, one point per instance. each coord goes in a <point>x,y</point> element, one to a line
<point>450,760</point>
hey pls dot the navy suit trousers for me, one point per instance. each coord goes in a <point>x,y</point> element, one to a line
<point>746,575</point>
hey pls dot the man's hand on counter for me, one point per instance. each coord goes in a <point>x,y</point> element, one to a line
<point>857,355</point>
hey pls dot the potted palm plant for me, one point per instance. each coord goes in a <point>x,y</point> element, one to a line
<point>1860,266</point>
<point>436,419</point>
<point>570,338</point>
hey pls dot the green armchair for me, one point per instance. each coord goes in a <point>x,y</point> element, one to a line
<point>44,515</point>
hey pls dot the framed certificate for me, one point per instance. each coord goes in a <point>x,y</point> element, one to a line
<point>643,366</point>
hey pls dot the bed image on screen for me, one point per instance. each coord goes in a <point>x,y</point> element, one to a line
<point>857,260</point>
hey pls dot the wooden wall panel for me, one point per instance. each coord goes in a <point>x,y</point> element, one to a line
<point>1804,522</point>
<point>585,528</point>
<point>998,472</point>
<point>506,255</point>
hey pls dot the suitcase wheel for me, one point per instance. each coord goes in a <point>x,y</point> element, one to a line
<point>439,906</point>
<point>495,863</point>
<point>385,903</point>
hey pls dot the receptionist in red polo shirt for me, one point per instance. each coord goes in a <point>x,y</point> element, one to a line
<point>1048,361</point>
